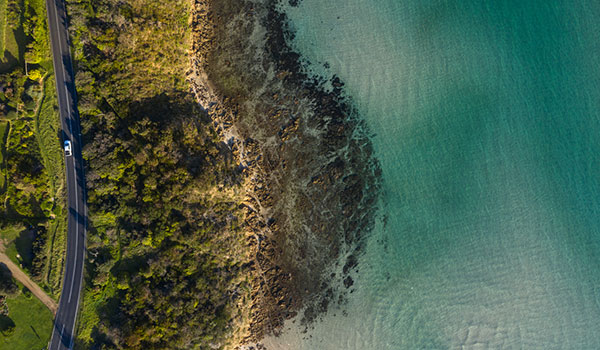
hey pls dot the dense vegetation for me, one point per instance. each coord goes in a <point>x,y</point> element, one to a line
<point>32,214</point>
<point>32,210</point>
<point>165,253</point>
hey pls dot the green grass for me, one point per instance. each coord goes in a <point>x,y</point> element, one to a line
<point>33,324</point>
<point>3,130</point>
<point>2,24</point>
<point>10,235</point>
<point>13,41</point>
<point>47,128</point>
<point>55,255</point>
<point>24,244</point>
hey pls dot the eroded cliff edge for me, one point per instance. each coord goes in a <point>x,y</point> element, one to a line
<point>312,181</point>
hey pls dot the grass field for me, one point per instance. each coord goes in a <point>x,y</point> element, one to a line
<point>33,323</point>
<point>9,235</point>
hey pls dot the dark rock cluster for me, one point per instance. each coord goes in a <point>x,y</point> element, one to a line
<point>313,181</point>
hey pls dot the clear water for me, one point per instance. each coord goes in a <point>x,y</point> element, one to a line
<point>487,124</point>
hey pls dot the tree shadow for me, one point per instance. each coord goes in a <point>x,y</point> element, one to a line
<point>7,325</point>
<point>8,62</point>
<point>130,265</point>
<point>7,283</point>
<point>24,245</point>
<point>64,334</point>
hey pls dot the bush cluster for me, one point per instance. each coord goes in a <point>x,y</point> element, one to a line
<point>165,257</point>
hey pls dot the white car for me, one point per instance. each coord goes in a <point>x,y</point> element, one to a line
<point>68,148</point>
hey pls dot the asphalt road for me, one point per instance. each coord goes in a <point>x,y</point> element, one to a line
<point>64,322</point>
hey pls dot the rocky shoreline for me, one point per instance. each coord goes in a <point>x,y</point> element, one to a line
<point>312,182</point>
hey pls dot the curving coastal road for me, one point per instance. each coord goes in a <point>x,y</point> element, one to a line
<point>64,322</point>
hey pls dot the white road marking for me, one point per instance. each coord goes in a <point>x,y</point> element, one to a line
<point>84,232</point>
<point>57,26</point>
<point>76,229</point>
<point>68,105</point>
<point>56,72</point>
<point>62,69</point>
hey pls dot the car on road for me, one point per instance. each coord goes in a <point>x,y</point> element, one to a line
<point>68,151</point>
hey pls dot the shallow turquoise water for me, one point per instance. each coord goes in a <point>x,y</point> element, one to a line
<point>487,124</point>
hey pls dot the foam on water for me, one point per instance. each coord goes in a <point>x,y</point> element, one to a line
<point>487,125</point>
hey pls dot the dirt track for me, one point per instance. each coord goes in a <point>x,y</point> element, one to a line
<point>27,282</point>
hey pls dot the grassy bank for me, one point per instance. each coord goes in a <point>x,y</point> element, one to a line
<point>3,4</point>
<point>4,126</point>
<point>47,130</point>
<point>2,25</point>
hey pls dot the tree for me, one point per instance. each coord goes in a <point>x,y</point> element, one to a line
<point>7,326</point>
<point>7,283</point>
